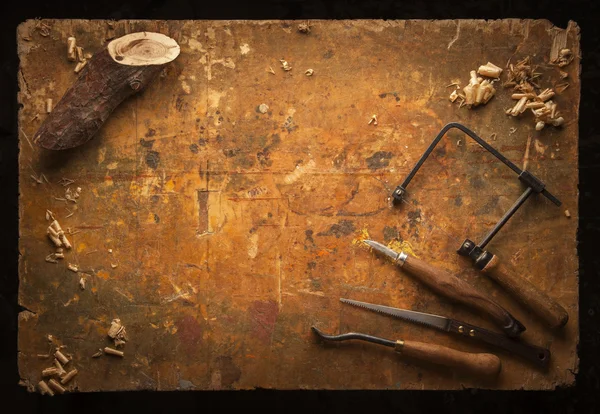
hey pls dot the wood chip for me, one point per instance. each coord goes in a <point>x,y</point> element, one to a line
<point>567,214</point>
<point>82,283</point>
<point>111,351</point>
<point>44,389</point>
<point>309,72</point>
<point>373,120</point>
<point>56,386</point>
<point>116,327</point>
<point>68,377</point>
<point>80,57</point>
<point>51,258</point>
<point>43,356</point>
<point>80,65</point>
<point>98,354</point>
<point>48,105</point>
<point>72,49</point>
<point>284,65</point>
<point>270,70</point>
<point>263,108</point>
<point>73,268</point>
<point>59,367</point>
<point>490,70</point>
<point>61,358</point>
<point>49,215</point>
<point>304,28</point>
<point>48,372</point>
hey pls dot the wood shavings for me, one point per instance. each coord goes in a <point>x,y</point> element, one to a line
<point>561,87</point>
<point>82,283</point>
<point>479,91</point>
<point>512,130</point>
<point>48,105</point>
<point>111,351</point>
<point>61,357</point>
<point>66,182</point>
<point>44,389</point>
<point>263,108</point>
<point>114,265</point>
<point>309,72</point>
<point>490,70</point>
<point>567,214</point>
<point>80,65</point>
<point>110,250</point>
<point>36,179</point>
<point>48,372</point>
<point>73,268</point>
<point>43,356</point>
<point>72,49</point>
<point>42,27</point>
<point>57,235</point>
<point>68,377</point>
<point>304,28</point>
<point>80,57</point>
<point>373,120</point>
<point>51,258</point>
<point>72,195</point>
<point>98,354</point>
<point>270,70</point>
<point>56,386</point>
<point>49,215</point>
<point>284,65</point>
<point>565,56</point>
<point>563,75</point>
<point>59,367</point>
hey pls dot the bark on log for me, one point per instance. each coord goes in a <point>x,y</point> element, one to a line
<point>126,66</point>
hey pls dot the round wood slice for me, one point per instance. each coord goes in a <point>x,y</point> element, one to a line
<point>126,66</point>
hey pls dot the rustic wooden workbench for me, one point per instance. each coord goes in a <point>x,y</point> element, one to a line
<point>232,230</point>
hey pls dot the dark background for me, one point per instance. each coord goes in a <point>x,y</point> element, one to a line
<point>580,398</point>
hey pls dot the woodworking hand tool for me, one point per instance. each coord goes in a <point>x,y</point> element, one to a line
<point>452,287</point>
<point>480,364</point>
<point>535,354</point>
<point>554,315</point>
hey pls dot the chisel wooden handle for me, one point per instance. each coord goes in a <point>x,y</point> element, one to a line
<point>460,291</point>
<point>554,315</point>
<point>480,364</point>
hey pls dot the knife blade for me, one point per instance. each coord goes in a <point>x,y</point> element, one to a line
<point>535,354</point>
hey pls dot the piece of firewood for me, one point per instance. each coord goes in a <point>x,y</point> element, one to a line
<point>125,67</point>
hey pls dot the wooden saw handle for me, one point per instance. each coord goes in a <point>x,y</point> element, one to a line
<point>554,315</point>
<point>481,364</point>
<point>460,291</point>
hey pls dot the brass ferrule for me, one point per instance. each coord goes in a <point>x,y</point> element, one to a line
<point>399,346</point>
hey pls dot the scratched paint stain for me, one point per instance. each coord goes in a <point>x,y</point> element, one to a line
<point>402,246</point>
<point>189,332</point>
<point>253,245</point>
<point>380,159</point>
<point>342,228</point>
<point>263,316</point>
<point>152,159</point>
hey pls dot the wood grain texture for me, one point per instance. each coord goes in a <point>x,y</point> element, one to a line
<point>488,365</point>
<point>460,291</point>
<point>552,313</point>
<point>232,230</point>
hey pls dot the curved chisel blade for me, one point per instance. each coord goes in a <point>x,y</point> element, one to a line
<point>435,321</point>
<point>382,249</point>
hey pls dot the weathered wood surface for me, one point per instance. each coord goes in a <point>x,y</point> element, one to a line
<point>233,230</point>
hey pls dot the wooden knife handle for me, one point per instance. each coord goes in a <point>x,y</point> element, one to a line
<point>480,364</point>
<point>554,315</point>
<point>460,291</point>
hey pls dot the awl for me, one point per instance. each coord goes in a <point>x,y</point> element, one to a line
<point>535,354</point>
<point>452,287</point>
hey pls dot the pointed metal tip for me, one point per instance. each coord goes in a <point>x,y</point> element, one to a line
<point>382,248</point>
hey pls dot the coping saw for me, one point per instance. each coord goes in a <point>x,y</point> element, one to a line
<point>553,314</point>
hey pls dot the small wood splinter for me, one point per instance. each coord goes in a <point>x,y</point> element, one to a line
<point>72,49</point>
<point>98,354</point>
<point>44,389</point>
<point>490,70</point>
<point>73,268</point>
<point>56,386</point>
<point>111,351</point>
<point>48,372</point>
<point>61,357</point>
<point>373,120</point>
<point>68,377</point>
<point>48,105</point>
<point>284,65</point>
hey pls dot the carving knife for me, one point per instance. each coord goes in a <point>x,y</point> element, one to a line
<point>452,287</point>
<point>539,356</point>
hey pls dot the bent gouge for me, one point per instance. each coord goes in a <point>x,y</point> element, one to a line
<point>479,364</point>
<point>535,354</point>
<point>452,287</point>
